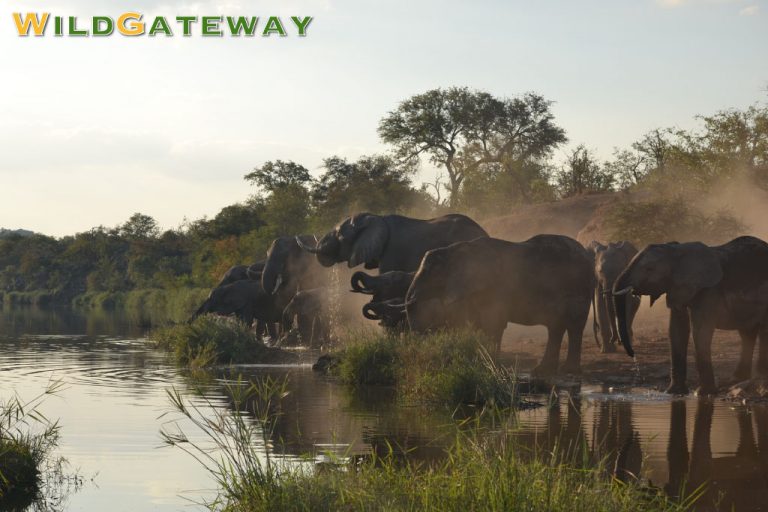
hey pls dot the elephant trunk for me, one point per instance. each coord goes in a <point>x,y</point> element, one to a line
<point>326,249</point>
<point>620,305</point>
<point>201,310</point>
<point>361,283</point>
<point>370,312</point>
<point>271,276</point>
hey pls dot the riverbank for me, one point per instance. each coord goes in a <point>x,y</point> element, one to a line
<point>156,305</point>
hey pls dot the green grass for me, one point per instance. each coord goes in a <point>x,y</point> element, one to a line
<point>210,340</point>
<point>484,469</point>
<point>448,368</point>
<point>26,440</point>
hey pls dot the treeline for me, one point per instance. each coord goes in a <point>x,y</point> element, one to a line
<point>493,154</point>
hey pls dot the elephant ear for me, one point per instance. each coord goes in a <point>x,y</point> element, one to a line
<point>695,268</point>
<point>372,236</point>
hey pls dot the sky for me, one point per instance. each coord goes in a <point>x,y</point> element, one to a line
<point>93,130</point>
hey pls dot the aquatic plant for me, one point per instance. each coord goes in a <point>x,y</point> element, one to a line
<point>23,450</point>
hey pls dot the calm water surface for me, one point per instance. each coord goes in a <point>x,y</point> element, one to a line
<point>115,404</point>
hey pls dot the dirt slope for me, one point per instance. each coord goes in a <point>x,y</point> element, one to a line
<point>567,217</point>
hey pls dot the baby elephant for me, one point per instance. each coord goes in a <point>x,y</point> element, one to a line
<point>610,261</point>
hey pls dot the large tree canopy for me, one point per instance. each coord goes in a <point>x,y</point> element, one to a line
<point>464,130</point>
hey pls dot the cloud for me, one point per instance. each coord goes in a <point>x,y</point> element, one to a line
<point>750,10</point>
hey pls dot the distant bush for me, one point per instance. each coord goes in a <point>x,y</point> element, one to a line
<point>445,368</point>
<point>212,340</point>
<point>664,220</point>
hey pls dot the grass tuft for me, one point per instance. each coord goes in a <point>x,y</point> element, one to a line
<point>210,340</point>
<point>24,450</point>
<point>447,368</point>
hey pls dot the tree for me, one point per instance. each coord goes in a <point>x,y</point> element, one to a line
<point>139,227</point>
<point>464,130</point>
<point>627,167</point>
<point>582,174</point>
<point>737,140</point>
<point>278,174</point>
<point>375,183</point>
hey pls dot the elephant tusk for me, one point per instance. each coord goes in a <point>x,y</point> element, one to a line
<point>278,283</point>
<point>313,250</point>
<point>623,291</point>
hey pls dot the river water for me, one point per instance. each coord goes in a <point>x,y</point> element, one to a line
<point>114,404</point>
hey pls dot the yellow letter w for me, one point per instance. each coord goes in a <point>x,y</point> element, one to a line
<point>38,25</point>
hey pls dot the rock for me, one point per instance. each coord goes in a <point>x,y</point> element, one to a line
<point>326,363</point>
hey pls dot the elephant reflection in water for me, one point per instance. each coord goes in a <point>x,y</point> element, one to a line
<point>731,482</point>
<point>614,440</point>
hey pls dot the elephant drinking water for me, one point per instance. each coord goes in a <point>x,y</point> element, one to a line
<point>486,283</point>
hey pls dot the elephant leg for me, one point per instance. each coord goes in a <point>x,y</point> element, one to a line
<point>573,359</point>
<point>613,328</point>
<point>548,365</point>
<point>744,368</point>
<point>679,332</point>
<point>604,322</point>
<point>272,330</point>
<point>762,357</point>
<point>703,326</point>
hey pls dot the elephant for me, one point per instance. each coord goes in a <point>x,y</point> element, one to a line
<point>610,261</point>
<point>245,299</point>
<point>289,269</point>
<point>390,242</point>
<point>385,289</point>
<point>486,283</point>
<point>310,309</point>
<point>240,272</point>
<point>707,288</point>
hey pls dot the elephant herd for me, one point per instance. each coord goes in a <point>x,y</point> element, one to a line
<point>447,272</point>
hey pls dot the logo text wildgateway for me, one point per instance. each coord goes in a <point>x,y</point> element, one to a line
<point>133,24</point>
